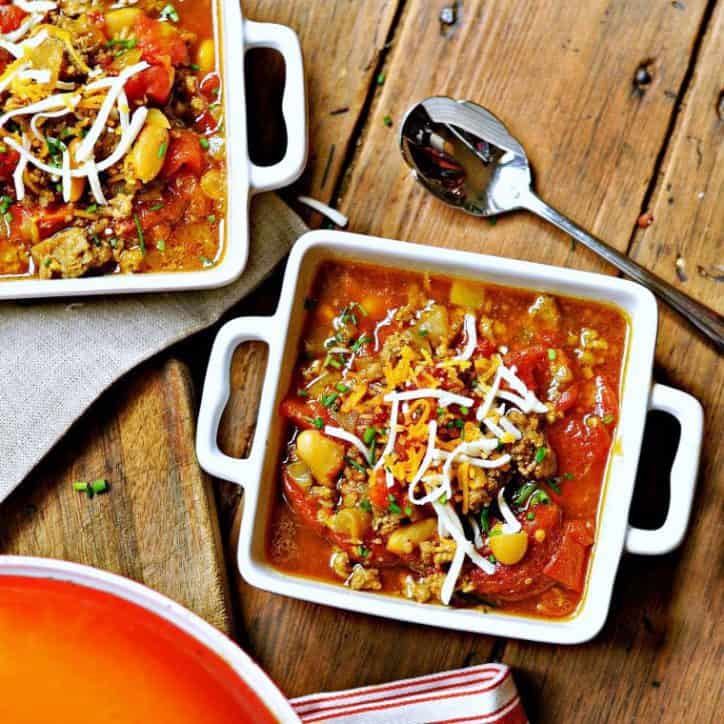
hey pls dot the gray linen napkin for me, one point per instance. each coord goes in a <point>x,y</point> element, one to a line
<point>56,358</point>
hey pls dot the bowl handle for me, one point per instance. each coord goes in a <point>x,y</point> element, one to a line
<point>688,411</point>
<point>216,395</point>
<point>284,40</point>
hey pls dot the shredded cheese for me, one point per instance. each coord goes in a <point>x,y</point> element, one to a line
<point>66,177</point>
<point>512,524</point>
<point>18,173</point>
<point>444,397</point>
<point>471,338</point>
<point>510,428</point>
<point>342,434</point>
<point>392,436</point>
<point>453,573</point>
<point>35,6</point>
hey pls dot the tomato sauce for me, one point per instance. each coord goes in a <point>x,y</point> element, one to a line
<point>71,654</point>
<point>568,351</point>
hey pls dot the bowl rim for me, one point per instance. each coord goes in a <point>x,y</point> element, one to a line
<point>612,518</point>
<point>179,616</point>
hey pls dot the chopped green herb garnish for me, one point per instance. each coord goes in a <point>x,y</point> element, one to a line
<point>354,464</point>
<point>162,149</point>
<point>423,331</point>
<point>302,393</point>
<point>92,208</point>
<point>408,511</point>
<point>318,422</point>
<point>443,498</point>
<point>540,454</point>
<point>310,303</point>
<point>540,496</point>
<point>169,12</point>
<point>551,354</point>
<point>492,558</point>
<point>458,423</point>
<point>156,207</point>
<point>495,531</point>
<point>441,411</point>
<point>364,339</point>
<point>328,400</point>
<point>366,505</point>
<point>99,486</point>
<point>205,261</point>
<point>524,492</point>
<point>47,262</point>
<point>204,143</point>
<point>607,419</point>
<point>114,242</point>
<point>369,435</point>
<point>330,361</point>
<point>485,519</point>
<point>363,552</point>
<point>501,444</point>
<point>80,486</point>
<point>387,120</point>
<point>464,410</point>
<point>139,232</point>
<point>531,515</point>
<point>125,44</point>
<point>568,476</point>
<point>211,218</point>
<point>394,507</point>
<point>553,484</point>
<point>5,203</point>
<point>195,67</point>
<point>3,148</point>
<point>96,240</point>
<point>341,387</point>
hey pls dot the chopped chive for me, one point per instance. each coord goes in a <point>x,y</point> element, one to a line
<point>540,454</point>
<point>161,245</point>
<point>551,354</point>
<point>195,67</point>
<point>204,143</point>
<point>139,232</point>
<point>47,262</point>
<point>127,44</point>
<point>318,422</point>
<point>8,216</point>
<point>553,484</point>
<point>211,218</point>
<point>485,519</point>
<point>341,387</point>
<point>169,12</point>
<point>408,511</point>
<point>363,552</point>
<point>531,515</point>
<point>458,423</point>
<point>568,476</point>
<point>394,507</point>
<point>5,203</point>
<point>608,419</point>
<point>524,492</point>
<point>443,498</point>
<point>205,261</point>
<point>92,208</point>
<point>99,486</point>
<point>354,464</point>
<point>423,331</point>
<point>540,496</point>
<point>3,148</point>
<point>366,505</point>
<point>369,435</point>
<point>464,410</point>
<point>387,120</point>
<point>492,558</point>
<point>302,393</point>
<point>364,339</point>
<point>96,240</point>
<point>495,531</point>
<point>162,149</point>
<point>329,361</point>
<point>113,242</point>
<point>441,410</point>
<point>328,400</point>
<point>80,486</point>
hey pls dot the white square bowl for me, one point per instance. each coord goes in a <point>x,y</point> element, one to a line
<point>258,473</point>
<point>234,36</point>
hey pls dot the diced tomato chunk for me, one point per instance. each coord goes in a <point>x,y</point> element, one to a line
<point>582,531</point>
<point>154,83</point>
<point>210,85</point>
<point>51,220</point>
<point>568,398</point>
<point>158,41</point>
<point>378,491</point>
<point>184,153</point>
<point>568,565</point>
<point>8,162</point>
<point>526,362</point>
<point>303,412</point>
<point>11,18</point>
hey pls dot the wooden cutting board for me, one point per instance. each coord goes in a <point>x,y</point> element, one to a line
<point>157,524</point>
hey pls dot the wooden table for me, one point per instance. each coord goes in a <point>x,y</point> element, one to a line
<point>621,107</point>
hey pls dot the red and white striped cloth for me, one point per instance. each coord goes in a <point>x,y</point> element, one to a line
<point>484,694</point>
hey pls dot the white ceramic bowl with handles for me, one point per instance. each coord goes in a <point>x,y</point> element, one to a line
<point>258,473</point>
<point>123,588</point>
<point>234,36</point>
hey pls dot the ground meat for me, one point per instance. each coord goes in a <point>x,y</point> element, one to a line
<point>483,485</point>
<point>385,524</point>
<point>423,589</point>
<point>364,579</point>
<point>524,451</point>
<point>69,254</point>
<point>339,562</point>
<point>437,552</point>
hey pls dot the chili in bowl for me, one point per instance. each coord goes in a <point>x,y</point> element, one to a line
<point>453,431</point>
<point>117,157</point>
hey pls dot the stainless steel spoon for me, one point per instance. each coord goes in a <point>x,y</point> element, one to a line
<point>465,156</point>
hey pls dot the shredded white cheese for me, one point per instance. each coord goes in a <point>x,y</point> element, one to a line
<point>392,435</point>
<point>19,171</point>
<point>444,397</point>
<point>512,524</point>
<point>25,27</point>
<point>66,177</point>
<point>510,428</point>
<point>342,434</point>
<point>471,337</point>
<point>35,6</point>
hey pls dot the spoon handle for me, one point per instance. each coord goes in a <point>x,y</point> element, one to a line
<point>704,319</point>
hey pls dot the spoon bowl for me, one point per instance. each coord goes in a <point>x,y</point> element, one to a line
<point>466,157</point>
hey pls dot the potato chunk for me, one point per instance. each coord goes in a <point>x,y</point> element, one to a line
<point>323,456</point>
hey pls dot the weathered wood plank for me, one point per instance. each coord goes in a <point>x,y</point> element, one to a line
<point>660,655</point>
<point>341,44</point>
<point>158,523</point>
<point>561,76</point>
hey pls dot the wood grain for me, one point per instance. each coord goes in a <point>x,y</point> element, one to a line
<point>660,654</point>
<point>560,75</point>
<point>158,523</point>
